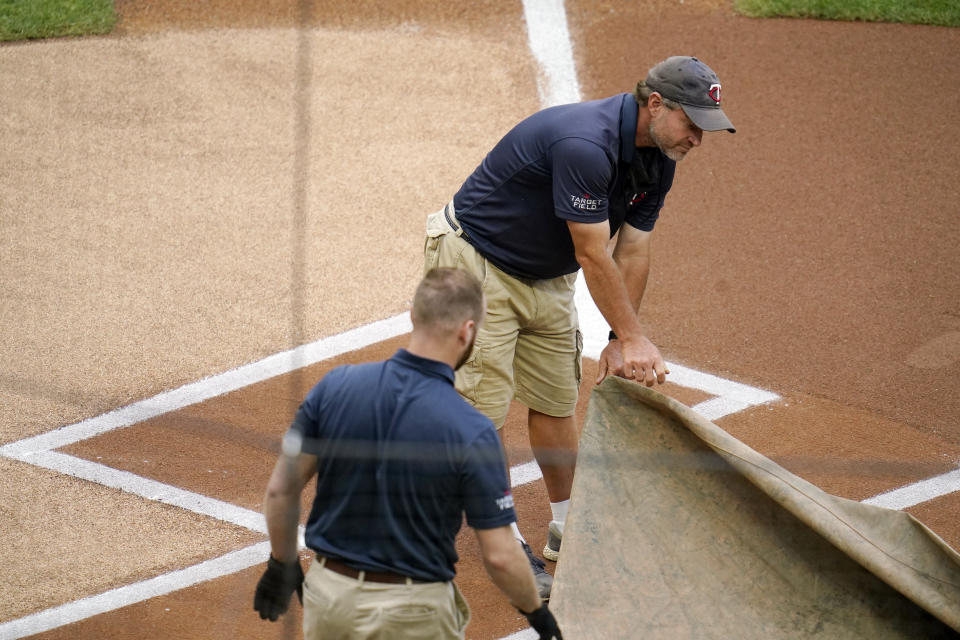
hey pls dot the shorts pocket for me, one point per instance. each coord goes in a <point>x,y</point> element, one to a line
<point>469,375</point>
<point>411,621</point>
<point>319,613</point>
<point>314,592</point>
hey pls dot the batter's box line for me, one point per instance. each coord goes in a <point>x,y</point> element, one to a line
<point>161,585</point>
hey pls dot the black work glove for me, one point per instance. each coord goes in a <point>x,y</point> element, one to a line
<point>276,586</point>
<point>543,622</point>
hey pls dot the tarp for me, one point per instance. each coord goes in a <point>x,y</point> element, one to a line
<point>679,530</point>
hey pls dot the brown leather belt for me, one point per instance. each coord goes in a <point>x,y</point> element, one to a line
<point>370,576</point>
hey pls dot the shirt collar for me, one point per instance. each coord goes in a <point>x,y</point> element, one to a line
<point>425,365</point>
<point>628,127</point>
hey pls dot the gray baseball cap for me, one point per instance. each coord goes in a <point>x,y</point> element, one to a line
<point>695,86</point>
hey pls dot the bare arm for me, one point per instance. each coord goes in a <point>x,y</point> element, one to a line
<point>604,278</point>
<point>639,358</point>
<point>281,504</point>
<point>508,567</point>
<point>632,256</point>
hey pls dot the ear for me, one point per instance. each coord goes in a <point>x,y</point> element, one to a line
<point>467,330</point>
<point>655,104</point>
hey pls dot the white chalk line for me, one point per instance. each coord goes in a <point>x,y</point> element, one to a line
<point>918,492</point>
<point>269,367</point>
<point>107,601</point>
<point>147,488</point>
<point>549,41</point>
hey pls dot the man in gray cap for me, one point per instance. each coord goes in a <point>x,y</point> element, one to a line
<point>545,202</point>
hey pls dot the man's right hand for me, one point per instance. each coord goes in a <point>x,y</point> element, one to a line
<point>275,587</point>
<point>610,362</point>
<point>543,622</point>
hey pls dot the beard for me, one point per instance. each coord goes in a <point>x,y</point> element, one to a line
<point>673,153</point>
<point>466,352</point>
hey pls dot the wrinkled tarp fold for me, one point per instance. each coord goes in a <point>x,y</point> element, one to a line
<point>679,530</point>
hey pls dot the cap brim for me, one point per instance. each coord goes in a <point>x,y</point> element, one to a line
<point>709,118</point>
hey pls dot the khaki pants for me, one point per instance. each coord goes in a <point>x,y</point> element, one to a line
<point>337,607</point>
<point>529,346</point>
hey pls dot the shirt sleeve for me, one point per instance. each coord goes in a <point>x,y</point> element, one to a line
<point>308,419</point>
<point>488,502</point>
<point>582,174</point>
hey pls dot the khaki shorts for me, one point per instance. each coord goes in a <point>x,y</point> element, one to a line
<point>530,344</point>
<point>337,607</point>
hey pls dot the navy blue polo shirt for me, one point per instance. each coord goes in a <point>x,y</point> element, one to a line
<point>570,162</point>
<point>401,458</point>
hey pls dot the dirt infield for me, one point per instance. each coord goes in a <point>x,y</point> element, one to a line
<point>150,239</point>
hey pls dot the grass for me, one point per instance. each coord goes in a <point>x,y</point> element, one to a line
<point>29,19</point>
<point>932,12</point>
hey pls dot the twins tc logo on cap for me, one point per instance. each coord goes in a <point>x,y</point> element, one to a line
<point>714,93</point>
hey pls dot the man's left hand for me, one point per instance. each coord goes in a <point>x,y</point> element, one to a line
<point>642,361</point>
<point>275,587</point>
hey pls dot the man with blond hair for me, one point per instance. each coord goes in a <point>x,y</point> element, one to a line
<point>400,458</point>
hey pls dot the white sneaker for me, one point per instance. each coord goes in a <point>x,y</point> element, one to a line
<point>554,537</point>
